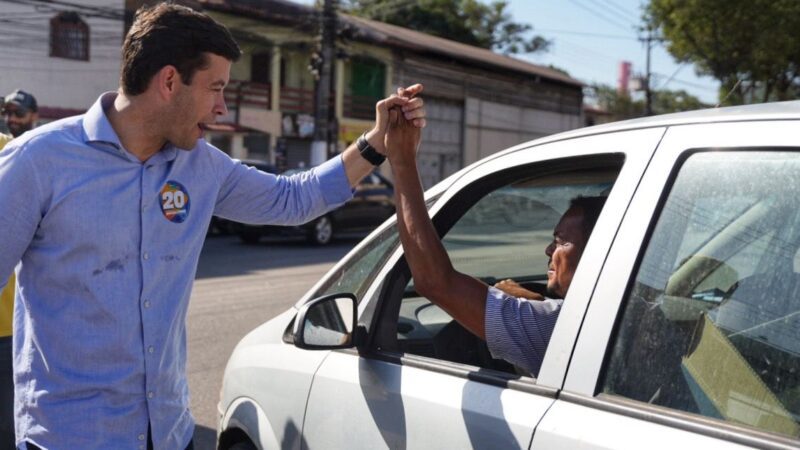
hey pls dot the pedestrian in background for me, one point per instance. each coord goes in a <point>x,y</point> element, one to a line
<point>20,111</point>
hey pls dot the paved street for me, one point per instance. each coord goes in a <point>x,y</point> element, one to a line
<point>237,288</point>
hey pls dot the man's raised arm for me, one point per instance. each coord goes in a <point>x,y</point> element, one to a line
<point>461,296</point>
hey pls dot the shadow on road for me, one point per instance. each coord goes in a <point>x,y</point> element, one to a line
<point>227,256</point>
<point>204,438</point>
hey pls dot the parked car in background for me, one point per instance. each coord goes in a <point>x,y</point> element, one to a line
<point>681,327</point>
<point>225,226</point>
<point>371,205</point>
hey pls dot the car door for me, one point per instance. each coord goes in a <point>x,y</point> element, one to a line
<point>691,338</point>
<point>421,381</point>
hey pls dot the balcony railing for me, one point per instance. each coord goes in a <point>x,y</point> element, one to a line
<point>296,100</point>
<point>240,93</point>
<point>360,106</point>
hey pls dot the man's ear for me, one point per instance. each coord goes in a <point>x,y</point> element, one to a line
<point>166,81</point>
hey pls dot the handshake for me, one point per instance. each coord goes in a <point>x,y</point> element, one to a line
<point>399,120</point>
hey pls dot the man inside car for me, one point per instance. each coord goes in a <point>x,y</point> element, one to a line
<point>515,329</point>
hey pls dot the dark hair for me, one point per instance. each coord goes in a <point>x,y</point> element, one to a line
<point>168,34</point>
<point>591,207</point>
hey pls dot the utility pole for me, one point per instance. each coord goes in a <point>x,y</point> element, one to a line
<point>324,135</point>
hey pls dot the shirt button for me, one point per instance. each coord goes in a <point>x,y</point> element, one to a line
<point>141,437</point>
<point>147,303</point>
<point>150,349</point>
<point>146,256</point>
<point>151,394</point>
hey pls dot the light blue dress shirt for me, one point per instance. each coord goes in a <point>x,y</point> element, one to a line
<point>518,330</point>
<point>109,248</point>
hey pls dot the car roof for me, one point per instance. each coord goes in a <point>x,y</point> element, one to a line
<point>764,111</point>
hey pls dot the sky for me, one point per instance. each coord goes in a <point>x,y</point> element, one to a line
<point>591,37</point>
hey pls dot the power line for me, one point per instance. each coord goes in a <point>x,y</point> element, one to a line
<point>612,12</point>
<point>634,18</point>
<point>581,33</point>
<point>688,83</point>
<point>600,15</point>
<point>589,53</point>
<point>671,77</point>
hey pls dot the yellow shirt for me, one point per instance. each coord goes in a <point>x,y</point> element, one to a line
<point>7,296</point>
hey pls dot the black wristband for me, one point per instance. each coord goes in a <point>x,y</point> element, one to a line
<point>368,152</point>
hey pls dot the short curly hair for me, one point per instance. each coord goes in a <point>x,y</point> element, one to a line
<point>591,208</point>
<point>168,34</point>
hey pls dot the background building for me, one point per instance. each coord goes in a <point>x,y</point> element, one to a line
<point>64,53</point>
<point>478,102</point>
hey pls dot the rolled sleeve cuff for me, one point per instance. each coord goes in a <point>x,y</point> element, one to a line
<point>519,330</point>
<point>333,181</point>
<point>497,336</point>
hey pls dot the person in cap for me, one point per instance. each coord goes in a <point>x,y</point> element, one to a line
<point>20,112</point>
<point>6,356</point>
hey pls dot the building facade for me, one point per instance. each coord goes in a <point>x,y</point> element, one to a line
<point>478,102</point>
<point>64,53</point>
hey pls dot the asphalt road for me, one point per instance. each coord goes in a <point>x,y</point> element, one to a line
<point>237,288</point>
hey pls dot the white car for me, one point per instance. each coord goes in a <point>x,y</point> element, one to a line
<point>681,328</point>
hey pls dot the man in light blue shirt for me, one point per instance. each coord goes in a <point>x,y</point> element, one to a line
<point>108,212</point>
<point>515,323</point>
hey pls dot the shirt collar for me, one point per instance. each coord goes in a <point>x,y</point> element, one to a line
<point>96,126</point>
<point>98,129</point>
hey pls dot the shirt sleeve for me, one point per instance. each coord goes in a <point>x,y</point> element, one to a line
<point>20,207</point>
<point>518,330</point>
<point>251,196</point>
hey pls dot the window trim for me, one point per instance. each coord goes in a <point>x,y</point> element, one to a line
<point>472,373</point>
<point>695,423</point>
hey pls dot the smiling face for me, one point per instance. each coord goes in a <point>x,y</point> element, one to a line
<point>200,102</point>
<point>565,251</point>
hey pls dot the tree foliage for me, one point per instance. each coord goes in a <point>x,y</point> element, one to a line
<point>469,21</point>
<point>749,45</point>
<point>623,106</point>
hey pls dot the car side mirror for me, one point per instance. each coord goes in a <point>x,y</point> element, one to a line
<point>326,323</point>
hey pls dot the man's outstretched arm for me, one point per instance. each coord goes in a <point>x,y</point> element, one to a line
<point>461,296</point>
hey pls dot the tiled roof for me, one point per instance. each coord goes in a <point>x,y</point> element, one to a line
<point>396,36</point>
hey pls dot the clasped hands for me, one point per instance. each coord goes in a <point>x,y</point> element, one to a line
<point>398,121</point>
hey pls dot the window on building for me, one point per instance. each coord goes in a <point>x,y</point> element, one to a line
<point>69,36</point>
<point>260,68</point>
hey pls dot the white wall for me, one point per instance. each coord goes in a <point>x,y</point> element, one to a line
<point>56,82</point>
<point>491,127</point>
